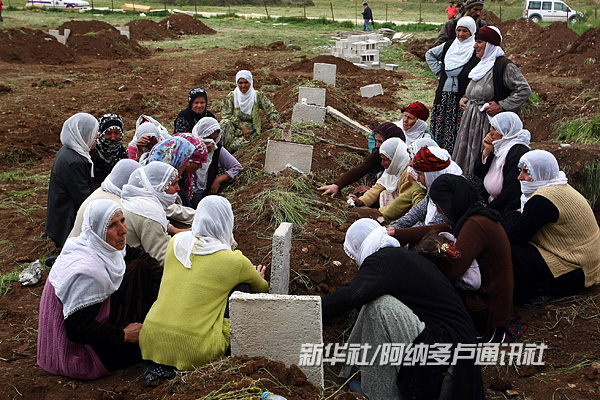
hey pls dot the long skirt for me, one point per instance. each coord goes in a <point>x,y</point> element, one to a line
<point>445,120</point>
<point>384,320</point>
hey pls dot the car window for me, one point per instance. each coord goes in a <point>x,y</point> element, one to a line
<point>547,5</point>
<point>560,7</point>
<point>535,5</point>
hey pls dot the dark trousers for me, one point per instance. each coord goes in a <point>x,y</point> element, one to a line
<point>533,276</point>
<point>242,287</point>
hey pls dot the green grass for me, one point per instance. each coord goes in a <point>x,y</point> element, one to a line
<point>591,186</point>
<point>582,130</point>
<point>8,279</point>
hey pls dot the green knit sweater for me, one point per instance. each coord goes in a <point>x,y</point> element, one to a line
<point>185,327</point>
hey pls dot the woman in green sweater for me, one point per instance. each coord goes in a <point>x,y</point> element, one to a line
<point>188,325</point>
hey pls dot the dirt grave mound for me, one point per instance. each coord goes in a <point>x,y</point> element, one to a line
<point>184,24</point>
<point>145,29</point>
<point>83,27</point>
<point>587,44</point>
<point>490,17</point>
<point>307,65</point>
<point>28,46</point>
<point>418,48</point>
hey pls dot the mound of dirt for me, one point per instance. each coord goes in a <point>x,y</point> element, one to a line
<point>418,48</point>
<point>240,377</point>
<point>145,29</point>
<point>28,46</point>
<point>83,27</point>
<point>490,17</point>
<point>184,24</point>
<point>587,44</point>
<point>307,65</point>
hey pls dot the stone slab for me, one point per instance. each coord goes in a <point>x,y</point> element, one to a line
<point>371,90</point>
<point>279,154</point>
<point>347,120</point>
<point>325,72</point>
<point>276,327</point>
<point>313,96</point>
<point>308,113</point>
<point>280,265</point>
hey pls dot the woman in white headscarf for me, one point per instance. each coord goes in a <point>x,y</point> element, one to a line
<point>110,189</point>
<point>388,289</point>
<point>393,181</point>
<point>71,177</point>
<point>554,236</point>
<point>496,85</point>
<point>93,303</point>
<point>430,162</point>
<point>240,114</point>
<point>207,179</point>
<point>188,324</point>
<point>148,132</point>
<point>497,166</point>
<point>451,62</point>
<point>146,196</point>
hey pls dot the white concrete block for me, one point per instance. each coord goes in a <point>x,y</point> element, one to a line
<point>67,33</point>
<point>62,39</point>
<point>391,67</point>
<point>355,38</point>
<point>325,72</point>
<point>313,96</point>
<point>371,90</point>
<point>53,32</point>
<point>360,65</point>
<point>353,59</point>
<point>279,154</point>
<point>280,265</point>
<point>308,113</point>
<point>276,327</point>
<point>348,121</point>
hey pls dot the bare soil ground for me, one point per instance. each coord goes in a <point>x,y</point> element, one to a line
<point>44,83</point>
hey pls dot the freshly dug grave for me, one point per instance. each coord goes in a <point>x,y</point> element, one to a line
<point>28,46</point>
<point>183,24</point>
<point>145,29</point>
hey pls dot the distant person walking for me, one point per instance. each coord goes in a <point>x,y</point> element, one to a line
<point>1,20</point>
<point>367,16</point>
<point>451,10</point>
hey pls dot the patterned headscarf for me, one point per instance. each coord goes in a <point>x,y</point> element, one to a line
<point>418,109</point>
<point>200,156</point>
<point>426,161</point>
<point>110,151</point>
<point>194,94</point>
<point>174,151</point>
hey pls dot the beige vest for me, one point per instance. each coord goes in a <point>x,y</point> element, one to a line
<point>574,240</point>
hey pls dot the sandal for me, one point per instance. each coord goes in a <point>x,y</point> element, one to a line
<point>154,372</point>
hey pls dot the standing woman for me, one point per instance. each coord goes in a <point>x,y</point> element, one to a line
<point>240,115</point>
<point>498,164</point>
<point>71,177</point>
<point>196,110</point>
<point>496,85</point>
<point>109,146</point>
<point>554,238</point>
<point>451,62</point>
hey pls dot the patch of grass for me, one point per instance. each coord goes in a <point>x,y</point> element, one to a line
<point>589,61</point>
<point>18,174</point>
<point>6,280</point>
<point>347,160</point>
<point>151,102</point>
<point>22,194</point>
<point>15,156</point>
<point>582,130</point>
<point>536,99</point>
<point>591,186</point>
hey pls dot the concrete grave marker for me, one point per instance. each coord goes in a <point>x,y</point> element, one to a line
<point>280,266</point>
<point>325,72</point>
<point>371,90</point>
<point>276,326</point>
<point>313,96</point>
<point>307,113</point>
<point>279,154</point>
<point>53,32</point>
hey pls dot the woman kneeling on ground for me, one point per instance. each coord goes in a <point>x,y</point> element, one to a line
<point>240,115</point>
<point>196,110</point>
<point>497,166</point>
<point>404,299</point>
<point>554,236</point>
<point>414,122</point>
<point>188,324</point>
<point>96,296</point>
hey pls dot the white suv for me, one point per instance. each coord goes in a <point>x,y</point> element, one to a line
<point>550,10</point>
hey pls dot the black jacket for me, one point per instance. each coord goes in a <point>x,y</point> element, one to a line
<point>367,13</point>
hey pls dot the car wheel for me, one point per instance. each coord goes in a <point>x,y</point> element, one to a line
<point>535,18</point>
<point>573,20</point>
<point>70,6</point>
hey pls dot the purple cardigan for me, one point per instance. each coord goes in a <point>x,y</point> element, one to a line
<point>56,354</point>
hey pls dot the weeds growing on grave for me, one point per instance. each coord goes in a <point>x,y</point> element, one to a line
<point>582,130</point>
<point>591,186</point>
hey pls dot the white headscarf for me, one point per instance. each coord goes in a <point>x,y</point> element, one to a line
<point>244,101</point>
<point>153,128</point>
<point>88,269</point>
<point>544,171</point>
<point>431,176</point>
<point>509,125</point>
<point>145,193</point>
<point>212,231</point>
<point>396,151</point>
<point>79,133</point>
<point>365,237</point>
<point>119,176</point>
<point>415,132</point>
<point>203,129</point>
<point>489,58</point>
<point>459,53</point>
